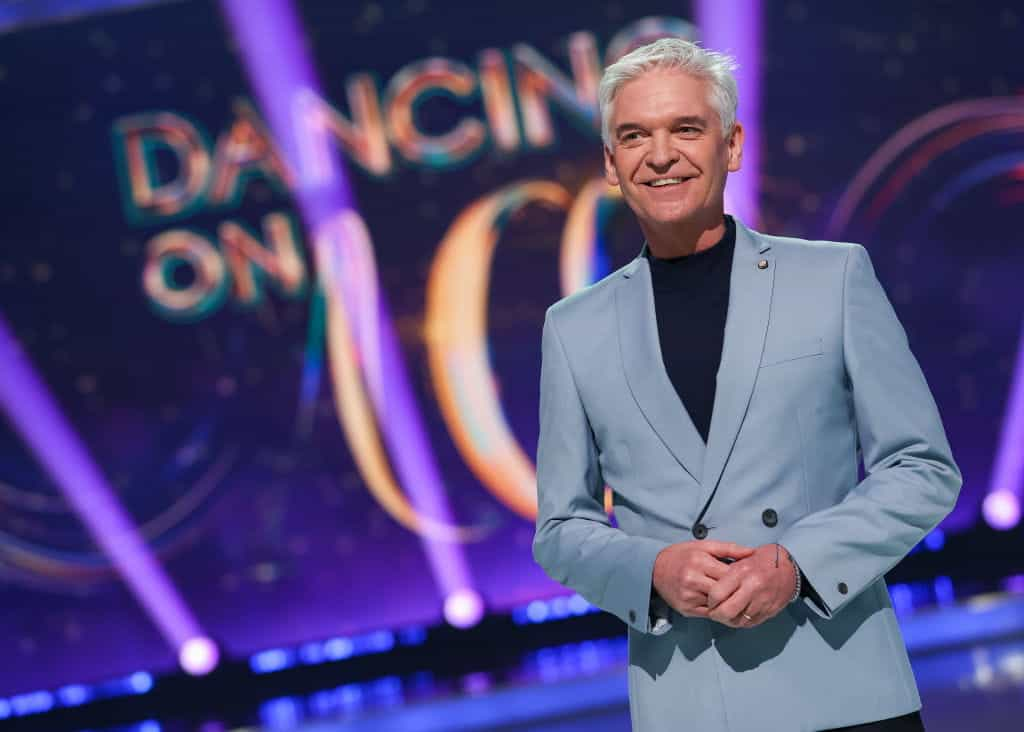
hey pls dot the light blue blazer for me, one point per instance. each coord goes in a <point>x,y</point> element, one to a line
<point>816,373</point>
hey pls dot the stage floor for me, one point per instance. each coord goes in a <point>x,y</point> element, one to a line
<point>968,659</point>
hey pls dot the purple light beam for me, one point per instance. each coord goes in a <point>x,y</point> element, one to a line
<point>280,73</point>
<point>1001,507</point>
<point>34,413</point>
<point>735,28</point>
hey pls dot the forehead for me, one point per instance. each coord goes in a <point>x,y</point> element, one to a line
<point>661,94</point>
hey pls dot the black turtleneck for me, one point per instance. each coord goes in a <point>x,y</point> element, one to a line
<point>691,299</point>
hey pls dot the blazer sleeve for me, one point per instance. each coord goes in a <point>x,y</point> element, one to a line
<point>911,481</point>
<point>575,542</point>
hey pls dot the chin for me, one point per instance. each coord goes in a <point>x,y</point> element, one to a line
<point>666,218</point>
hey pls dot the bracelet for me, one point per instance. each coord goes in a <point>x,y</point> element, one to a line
<point>796,574</point>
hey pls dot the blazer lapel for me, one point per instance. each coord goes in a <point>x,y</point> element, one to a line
<point>750,294</point>
<point>645,369</point>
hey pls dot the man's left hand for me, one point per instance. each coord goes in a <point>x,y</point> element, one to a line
<point>753,588</point>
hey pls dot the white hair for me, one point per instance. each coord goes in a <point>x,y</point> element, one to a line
<point>672,53</point>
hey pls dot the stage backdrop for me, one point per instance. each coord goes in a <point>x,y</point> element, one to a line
<point>157,274</point>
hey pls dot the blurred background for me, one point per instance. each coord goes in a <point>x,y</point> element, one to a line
<point>272,278</point>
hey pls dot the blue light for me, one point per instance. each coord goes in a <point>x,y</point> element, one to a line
<point>560,607</point>
<point>382,640</point>
<point>579,606</point>
<point>267,662</point>
<point>72,695</point>
<point>338,648</point>
<point>351,695</point>
<point>944,593</point>
<point>32,703</point>
<point>140,682</point>
<point>537,611</point>
<point>935,540</point>
<point>150,725</point>
<point>902,598</point>
<point>282,713</point>
<point>413,636</point>
<point>5,709</point>
<point>312,653</point>
<point>388,686</point>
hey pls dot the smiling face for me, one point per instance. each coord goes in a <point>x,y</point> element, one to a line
<point>669,155</point>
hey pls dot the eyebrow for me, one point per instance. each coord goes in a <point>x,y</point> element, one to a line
<point>691,119</point>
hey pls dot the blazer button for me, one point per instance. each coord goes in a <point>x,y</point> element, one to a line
<point>843,589</point>
<point>632,616</point>
<point>769,517</point>
<point>700,531</point>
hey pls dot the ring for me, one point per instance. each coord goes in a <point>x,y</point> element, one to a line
<point>747,616</point>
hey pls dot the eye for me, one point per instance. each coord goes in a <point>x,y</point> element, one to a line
<point>688,130</point>
<point>630,136</point>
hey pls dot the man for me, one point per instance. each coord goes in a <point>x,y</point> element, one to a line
<point>725,383</point>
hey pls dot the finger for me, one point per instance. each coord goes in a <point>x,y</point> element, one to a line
<point>692,602</point>
<point>694,580</point>
<point>713,568</point>
<point>732,608</point>
<point>723,589</point>
<point>726,549</point>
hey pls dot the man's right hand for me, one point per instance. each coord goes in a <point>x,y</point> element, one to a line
<point>684,573</point>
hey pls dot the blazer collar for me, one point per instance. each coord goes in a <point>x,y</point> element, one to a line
<point>750,289</point>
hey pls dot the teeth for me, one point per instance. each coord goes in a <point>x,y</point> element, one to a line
<point>664,182</point>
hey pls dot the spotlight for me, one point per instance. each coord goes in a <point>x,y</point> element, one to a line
<point>198,656</point>
<point>1001,510</point>
<point>463,608</point>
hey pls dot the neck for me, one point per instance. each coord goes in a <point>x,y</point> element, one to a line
<point>681,239</point>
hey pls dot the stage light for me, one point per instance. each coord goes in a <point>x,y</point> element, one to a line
<point>275,659</point>
<point>902,598</point>
<point>935,540</point>
<point>537,611</point>
<point>1001,510</point>
<point>72,695</point>
<point>338,648</point>
<point>463,608</point>
<point>198,656</point>
<point>32,703</point>
<point>140,682</point>
<point>579,606</point>
<point>944,592</point>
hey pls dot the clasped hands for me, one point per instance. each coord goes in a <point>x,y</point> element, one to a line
<point>692,579</point>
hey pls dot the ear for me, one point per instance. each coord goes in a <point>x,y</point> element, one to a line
<point>736,147</point>
<point>610,174</point>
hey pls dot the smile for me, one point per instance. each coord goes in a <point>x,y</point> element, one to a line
<point>660,182</point>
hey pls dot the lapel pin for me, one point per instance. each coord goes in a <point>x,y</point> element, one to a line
<point>763,264</point>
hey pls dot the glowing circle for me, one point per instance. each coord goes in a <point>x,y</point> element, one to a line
<point>1001,510</point>
<point>463,608</point>
<point>198,656</point>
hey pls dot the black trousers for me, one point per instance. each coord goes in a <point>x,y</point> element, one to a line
<point>905,723</point>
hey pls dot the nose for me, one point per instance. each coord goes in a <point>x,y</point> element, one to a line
<point>662,155</point>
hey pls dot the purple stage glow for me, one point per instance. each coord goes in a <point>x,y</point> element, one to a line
<point>35,415</point>
<point>735,28</point>
<point>270,42</point>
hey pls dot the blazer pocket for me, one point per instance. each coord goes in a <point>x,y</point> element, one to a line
<point>791,350</point>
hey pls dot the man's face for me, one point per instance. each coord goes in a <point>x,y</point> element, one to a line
<point>664,129</point>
